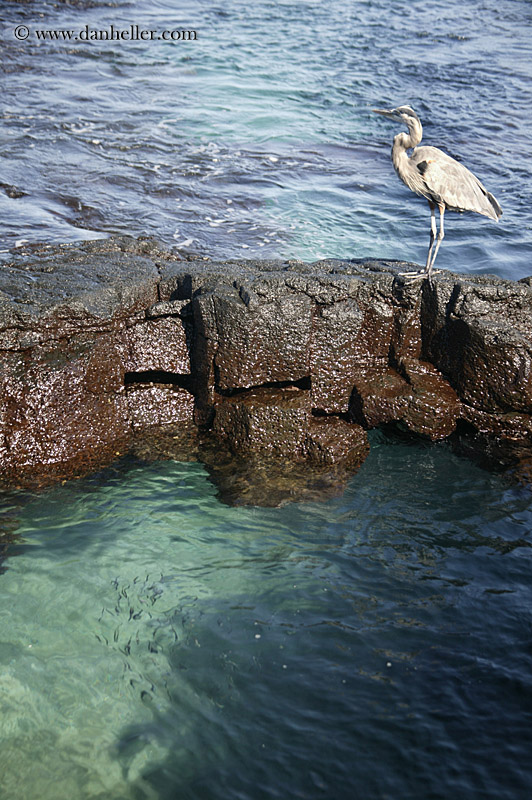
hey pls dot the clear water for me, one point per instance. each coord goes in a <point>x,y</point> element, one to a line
<point>155,643</point>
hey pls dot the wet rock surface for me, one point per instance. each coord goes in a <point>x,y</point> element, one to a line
<point>271,372</point>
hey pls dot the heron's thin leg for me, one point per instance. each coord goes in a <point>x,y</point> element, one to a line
<point>432,236</point>
<point>428,271</point>
<point>441,234</point>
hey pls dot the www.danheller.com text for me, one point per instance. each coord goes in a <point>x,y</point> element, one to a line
<point>131,33</point>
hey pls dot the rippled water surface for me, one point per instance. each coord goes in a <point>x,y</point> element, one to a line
<point>155,643</point>
<point>257,138</point>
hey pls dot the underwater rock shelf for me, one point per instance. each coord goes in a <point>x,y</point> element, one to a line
<point>259,368</point>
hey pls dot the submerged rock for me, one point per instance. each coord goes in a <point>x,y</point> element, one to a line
<point>279,368</point>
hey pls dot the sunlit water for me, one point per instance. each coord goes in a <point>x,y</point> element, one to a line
<point>257,138</point>
<point>155,643</point>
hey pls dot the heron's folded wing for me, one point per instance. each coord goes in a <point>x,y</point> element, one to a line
<point>451,183</point>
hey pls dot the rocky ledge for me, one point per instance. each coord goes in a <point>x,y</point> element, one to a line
<point>270,372</point>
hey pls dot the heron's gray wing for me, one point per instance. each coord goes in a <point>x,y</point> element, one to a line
<point>452,184</point>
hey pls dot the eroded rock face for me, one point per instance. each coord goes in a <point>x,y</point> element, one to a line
<point>275,362</point>
<point>480,334</point>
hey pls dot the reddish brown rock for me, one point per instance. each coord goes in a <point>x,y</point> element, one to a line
<point>512,425</point>
<point>380,395</point>
<point>63,354</point>
<point>335,354</point>
<point>158,404</point>
<point>158,345</point>
<point>279,422</point>
<point>241,343</point>
<point>265,420</point>
<point>277,362</point>
<point>478,333</point>
<point>261,342</point>
<point>333,441</point>
<point>433,407</point>
<point>61,402</point>
<point>497,440</point>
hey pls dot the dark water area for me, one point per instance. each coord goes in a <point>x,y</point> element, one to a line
<point>156,643</point>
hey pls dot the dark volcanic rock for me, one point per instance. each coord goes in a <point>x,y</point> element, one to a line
<point>158,344</point>
<point>336,355</point>
<point>265,420</point>
<point>282,365</point>
<point>333,441</point>
<point>478,332</point>
<point>158,404</point>
<point>261,341</point>
<point>380,395</point>
<point>64,352</point>
<point>433,407</point>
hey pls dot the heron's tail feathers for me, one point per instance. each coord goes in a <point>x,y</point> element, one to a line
<point>494,209</point>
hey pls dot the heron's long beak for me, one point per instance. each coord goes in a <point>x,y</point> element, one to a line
<point>390,114</point>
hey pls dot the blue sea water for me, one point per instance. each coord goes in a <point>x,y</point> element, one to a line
<point>257,138</point>
<point>155,643</point>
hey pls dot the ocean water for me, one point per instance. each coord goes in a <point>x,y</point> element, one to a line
<point>257,137</point>
<point>156,643</point>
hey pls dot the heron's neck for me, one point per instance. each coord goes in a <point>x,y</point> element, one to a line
<point>405,141</point>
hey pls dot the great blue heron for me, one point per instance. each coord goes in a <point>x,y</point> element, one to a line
<point>433,174</point>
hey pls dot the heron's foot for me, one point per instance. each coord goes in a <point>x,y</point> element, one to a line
<point>413,276</point>
<point>419,276</point>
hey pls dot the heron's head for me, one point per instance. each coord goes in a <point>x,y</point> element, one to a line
<point>403,114</point>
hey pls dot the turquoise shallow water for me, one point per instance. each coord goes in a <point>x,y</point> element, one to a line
<point>155,643</point>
